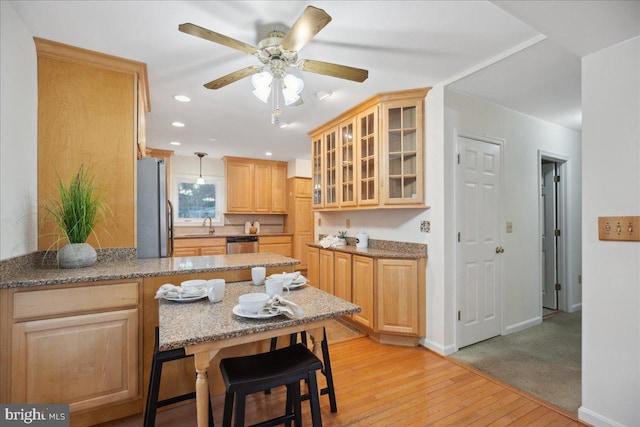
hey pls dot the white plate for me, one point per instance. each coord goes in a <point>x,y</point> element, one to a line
<point>186,298</point>
<point>237,310</point>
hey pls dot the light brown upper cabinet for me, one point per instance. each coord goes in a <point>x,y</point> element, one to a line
<point>371,156</point>
<point>256,186</point>
<point>91,109</point>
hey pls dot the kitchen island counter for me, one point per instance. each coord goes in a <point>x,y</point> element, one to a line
<point>141,268</point>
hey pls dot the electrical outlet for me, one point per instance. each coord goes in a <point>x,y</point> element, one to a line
<point>425,226</point>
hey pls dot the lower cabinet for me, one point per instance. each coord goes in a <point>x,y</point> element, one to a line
<point>363,290</point>
<point>200,246</point>
<point>397,296</point>
<point>327,278</point>
<point>280,245</point>
<point>390,291</point>
<point>78,344</point>
<point>342,275</point>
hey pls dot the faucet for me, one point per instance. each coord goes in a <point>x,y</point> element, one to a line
<point>204,223</point>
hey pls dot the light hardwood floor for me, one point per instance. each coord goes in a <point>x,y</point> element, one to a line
<point>381,385</point>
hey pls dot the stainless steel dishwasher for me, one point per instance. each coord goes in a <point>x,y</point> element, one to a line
<point>242,244</point>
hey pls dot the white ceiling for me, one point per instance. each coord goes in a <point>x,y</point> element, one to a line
<point>403,44</point>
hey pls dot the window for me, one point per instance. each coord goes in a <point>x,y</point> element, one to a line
<point>193,202</point>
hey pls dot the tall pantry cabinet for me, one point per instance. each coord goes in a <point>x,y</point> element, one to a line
<point>299,222</point>
<point>91,112</point>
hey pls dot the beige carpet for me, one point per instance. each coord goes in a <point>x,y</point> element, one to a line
<point>544,360</point>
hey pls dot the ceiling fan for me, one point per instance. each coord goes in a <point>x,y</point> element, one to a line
<point>279,50</point>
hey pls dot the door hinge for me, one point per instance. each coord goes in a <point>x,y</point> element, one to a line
<point>556,178</point>
<point>458,158</point>
<point>556,232</point>
<point>558,286</point>
<point>458,236</point>
<point>459,315</point>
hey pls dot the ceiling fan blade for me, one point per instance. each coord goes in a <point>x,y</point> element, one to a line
<point>203,33</point>
<point>334,70</point>
<point>232,77</point>
<point>308,25</point>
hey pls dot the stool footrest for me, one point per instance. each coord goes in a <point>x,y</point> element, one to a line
<point>176,399</point>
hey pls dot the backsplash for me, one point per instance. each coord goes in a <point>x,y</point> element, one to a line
<point>234,224</point>
<point>388,245</point>
<point>47,259</point>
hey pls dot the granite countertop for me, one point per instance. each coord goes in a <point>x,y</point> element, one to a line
<point>202,321</point>
<point>398,252</point>
<point>138,268</point>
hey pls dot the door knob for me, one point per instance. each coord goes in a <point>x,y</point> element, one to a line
<point>499,250</point>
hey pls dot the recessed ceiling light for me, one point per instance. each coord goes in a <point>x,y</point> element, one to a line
<point>268,153</point>
<point>283,125</point>
<point>177,124</point>
<point>174,143</point>
<point>182,98</point>
<point>322,95</point>
<point>212,139</point>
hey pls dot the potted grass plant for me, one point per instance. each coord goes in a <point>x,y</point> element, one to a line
<point>76,212</point>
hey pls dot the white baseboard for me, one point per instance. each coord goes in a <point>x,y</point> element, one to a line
<point>576,307</point>
<point>437,347</point>
<point>522,325</point>
<point>595,419</point>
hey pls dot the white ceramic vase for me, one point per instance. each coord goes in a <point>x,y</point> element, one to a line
<point>77,255</point>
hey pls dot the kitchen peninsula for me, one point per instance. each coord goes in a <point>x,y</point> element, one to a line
<point>92,330</point>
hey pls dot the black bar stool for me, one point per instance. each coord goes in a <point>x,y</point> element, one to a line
<point>258,372</point>
<point>160,357</point>
<point>326,370</point>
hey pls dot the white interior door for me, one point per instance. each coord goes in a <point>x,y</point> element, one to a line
<point>479,212</point>
<point>548,226</point>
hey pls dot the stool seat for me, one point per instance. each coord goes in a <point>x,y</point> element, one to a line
<point>256,373</point>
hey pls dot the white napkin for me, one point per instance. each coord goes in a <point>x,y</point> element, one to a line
<point>173,291</point>
<point>329,240</point>
<point>279,305</point>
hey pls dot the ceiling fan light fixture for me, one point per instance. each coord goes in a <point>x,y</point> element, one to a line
<point>262,84</point>
<point>291,88</point>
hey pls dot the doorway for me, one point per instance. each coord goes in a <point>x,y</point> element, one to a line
<point>552,233</point>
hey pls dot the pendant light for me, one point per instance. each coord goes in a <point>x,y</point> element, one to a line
<point>200,180</point>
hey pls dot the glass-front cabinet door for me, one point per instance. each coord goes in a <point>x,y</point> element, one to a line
<point>402,152</point>
<point>347,173</point>
<point>367,157</point>
<point>317,168</point>
<point>330,168</point>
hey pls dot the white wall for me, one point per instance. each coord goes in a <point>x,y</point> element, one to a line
<point>18,136</point>
<point>611,284</point>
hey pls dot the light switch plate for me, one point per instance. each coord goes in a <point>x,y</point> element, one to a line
<point>619,228</point>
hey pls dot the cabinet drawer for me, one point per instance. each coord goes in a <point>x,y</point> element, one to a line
<point>268,240</point>
<point>53,302</point>
<point>200,242</point>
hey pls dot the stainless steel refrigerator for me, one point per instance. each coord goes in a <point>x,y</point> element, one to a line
<point>155,212</point>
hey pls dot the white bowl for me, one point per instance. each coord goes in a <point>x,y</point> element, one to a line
<point>251,303</point>
<point>198,283</point>
<point>286,278</point>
